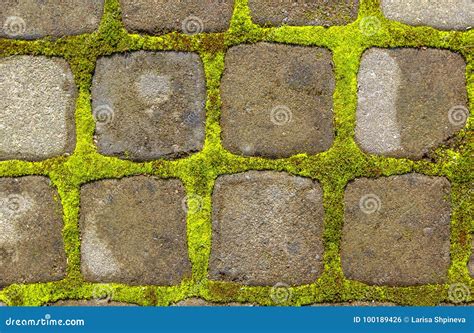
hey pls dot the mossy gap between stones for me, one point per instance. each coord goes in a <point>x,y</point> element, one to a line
<point>333,169</point>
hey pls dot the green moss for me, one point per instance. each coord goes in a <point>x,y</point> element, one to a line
<point>333,169</point>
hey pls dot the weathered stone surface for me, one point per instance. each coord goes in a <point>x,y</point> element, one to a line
<point>410,100</point>
<point>2,304</point>
<point>134,231</point>
<point>446,14</point>
<point>356,303</point>
<point>37,102</point>
<point>303,12</point>
<point>89,303</point>
<point>277,100</point>
<point>201,302</point>
<point>266,229</point>
<point>149,105</point>
<point>30,19</point>
<point>162,16</point>
<point>31,243</point>
<point>471,261</point>
<point>396,230</point>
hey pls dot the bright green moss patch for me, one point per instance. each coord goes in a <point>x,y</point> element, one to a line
<point>333,169</point>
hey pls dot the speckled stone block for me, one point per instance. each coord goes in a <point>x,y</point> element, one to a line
<point>445,14</point>
<point>30,19</point>
<point>31,243</point>
<point>266,229</point>
<point>277,100</point>
<point>134,231</point>
<point>149,105</point>
<point>303,12</point>
<point>396,230</point>
<point>37,102</point>
<point>191,17</point>
<point>410,101</point>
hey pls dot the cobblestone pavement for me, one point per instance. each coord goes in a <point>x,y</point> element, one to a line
<point>246,152</point>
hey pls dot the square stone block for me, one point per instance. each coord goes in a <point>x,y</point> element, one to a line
<point>410,101</point>
<point>445,14</point>
<point>37,103</point>
<point>266,229</point>
<point>30,19</point>
<point>396,230</point>
<point>134,231</point>
<point>303,12</point>
<point>190,17</point>
<point>31,243</point>
<point>149,105</point>
<point>277,100</point>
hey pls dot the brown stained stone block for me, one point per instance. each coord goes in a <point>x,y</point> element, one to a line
<point>277,100</point>
<point>31,243</point>
<point>134,231</point>
<point>149,105</point>
<point>266,229</point>
<point>396,230</point>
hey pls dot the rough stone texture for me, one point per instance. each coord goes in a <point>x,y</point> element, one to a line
<point>89,303</point>
<point>356,303</point>
<point>410,100</point>
<point>37,102</point>
<point>149,105</point>
<point>277,100</point>
<point>446,14</point>
<point>31,243</point>
<point>134,231</point>
<point>30,19</point>
<point>396,230</point>
<point>471,260</point>
<point>266,229</point>
<point>201,302</point>
<point>304,12</point>
<point>162,16</point>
